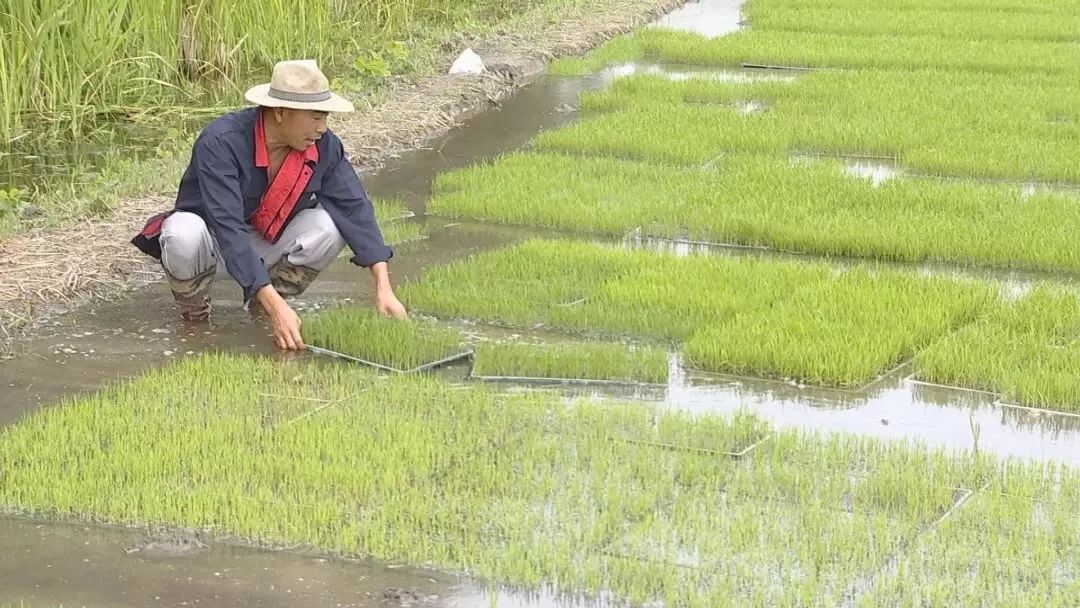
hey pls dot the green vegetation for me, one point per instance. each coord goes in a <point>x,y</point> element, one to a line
<point>1027,350</point>
<point>572,360</point>
<point>402,345</point>
<point>898,114</point>
<point>59,59</point>
<point>604,290</point>
<point>946,22</point>
<point>1017,7</point>
<point>400,233</point>
<point>740,315</point>
<point>1021,529</point>
<point>762,201</point>
<point>525,490</point>
<point>87,91</point>
<point>826,50</point>
<point>842,332</point>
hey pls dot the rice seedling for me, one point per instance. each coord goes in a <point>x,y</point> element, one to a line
<point>842,332</point>
<point>827,50</point>
<point>572,360</point>
<point>901,114</point>
<point>943,20</point>
<point>771,202</point>
<point>671,298</point>
<point>390,210</point>
<point>510,488</point>
<point>1000,549</point>
<point>604,290</point>
<point>400,233</point>
<point>519,286</point>
<point>400,345</point>
<point>1020,8</point>
<point>601,195</point>
<point>1025,350</point>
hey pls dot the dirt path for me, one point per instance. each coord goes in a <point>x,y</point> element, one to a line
<point>51,270</point>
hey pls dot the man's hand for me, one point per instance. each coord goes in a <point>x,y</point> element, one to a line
<point>284,320</point>
<point>385,301</point>
<point>388,305</point>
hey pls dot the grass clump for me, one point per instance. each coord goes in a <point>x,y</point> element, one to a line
<point>1028,350</point>
<point>576,361</point>
<point>842,332</point>
<point>362,333</point>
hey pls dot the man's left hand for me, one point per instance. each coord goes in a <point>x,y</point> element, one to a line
<point>388,305</point>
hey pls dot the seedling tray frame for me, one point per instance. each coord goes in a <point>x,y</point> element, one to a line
<point>386,368</point>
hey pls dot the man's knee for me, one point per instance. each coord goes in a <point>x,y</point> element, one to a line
<point>186,246</point>
<point>319,242</point>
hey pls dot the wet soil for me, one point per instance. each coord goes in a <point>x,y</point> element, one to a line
<point>48,565</point>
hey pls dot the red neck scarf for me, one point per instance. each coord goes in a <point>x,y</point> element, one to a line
<point>284,192</point>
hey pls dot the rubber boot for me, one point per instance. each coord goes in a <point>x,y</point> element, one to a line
<point>193,295</point>
<point>289,279</point>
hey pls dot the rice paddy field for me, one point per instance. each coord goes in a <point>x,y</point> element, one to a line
<point>681,228</point>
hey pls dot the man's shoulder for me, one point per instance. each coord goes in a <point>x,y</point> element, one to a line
<point>240,122</point>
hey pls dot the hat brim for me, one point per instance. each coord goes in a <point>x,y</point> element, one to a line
<point>260,96</point>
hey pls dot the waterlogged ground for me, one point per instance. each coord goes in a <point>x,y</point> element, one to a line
<point>49,564</point>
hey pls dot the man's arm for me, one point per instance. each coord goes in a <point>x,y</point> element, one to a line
<point>344,198</point>
<point>219,184</point>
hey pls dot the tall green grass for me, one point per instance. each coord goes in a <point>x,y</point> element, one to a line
<point>1028,350</point>
<point>72,64</point>
<point>527,490</point>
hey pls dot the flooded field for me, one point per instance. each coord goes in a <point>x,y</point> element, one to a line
<point>101,344</point>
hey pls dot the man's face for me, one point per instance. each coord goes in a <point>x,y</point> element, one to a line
<point>300,128</point>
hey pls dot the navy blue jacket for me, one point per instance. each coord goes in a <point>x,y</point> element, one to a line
<point>223,186</point>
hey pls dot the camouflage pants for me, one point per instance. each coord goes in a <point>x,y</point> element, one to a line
<point>190,255</point>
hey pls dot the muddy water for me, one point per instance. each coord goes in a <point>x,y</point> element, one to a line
<point>99,566</point>
<point>706,17</point>
<point>89,565</point>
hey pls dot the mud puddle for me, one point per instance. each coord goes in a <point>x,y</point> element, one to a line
<point>706,17</point>
<point>48,565</point>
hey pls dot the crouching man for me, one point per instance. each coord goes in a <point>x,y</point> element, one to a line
<point>270,199</point>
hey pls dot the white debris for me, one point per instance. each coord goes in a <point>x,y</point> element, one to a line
<point>467,63</point>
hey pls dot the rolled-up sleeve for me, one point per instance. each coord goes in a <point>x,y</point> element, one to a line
<point>343,197</point>
<point>219,185</point>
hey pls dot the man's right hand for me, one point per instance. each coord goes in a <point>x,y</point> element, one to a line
<point>283,319</point>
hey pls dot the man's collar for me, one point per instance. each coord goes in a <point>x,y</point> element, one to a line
<point>262,159</point>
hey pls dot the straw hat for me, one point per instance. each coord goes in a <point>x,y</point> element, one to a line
<point>298,84</point>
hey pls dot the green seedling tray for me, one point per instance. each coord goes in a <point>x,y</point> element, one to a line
<point>422,368</point>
